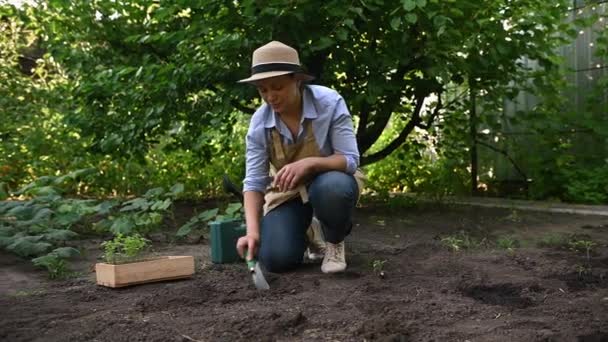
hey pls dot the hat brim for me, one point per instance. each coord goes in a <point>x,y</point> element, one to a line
<point>270,74</point>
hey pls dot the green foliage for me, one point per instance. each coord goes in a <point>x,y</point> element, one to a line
<point>38,227</point>
<point>378,267</point>
<point>575,242</point>
<point>146,94</point>
<point>142,214</point>
<point>200,222</point>
<point>461,241</point>
<point>557,241</point>
<point>514,216</point>
<point>508,243</point>
<point>584,246</point>
<point>124,249</point>
<point>55,262</point>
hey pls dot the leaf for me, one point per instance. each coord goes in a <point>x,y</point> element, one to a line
<point>396,23</point>
<point>155,192</point>
<point>177,189</point>
<point>45,260</point>
<point>44,191</point>
<point>342,34</point>
<point>59,235</point>
<point>323,43</point>
<point>208,214</point>
<point>411,18</point>
<point>28,247</point>
<point>8,205</point>
<point>66,252</point>
<point>161,205</point>
<point>408,5</point>
<point>186,228</point>
<point>22,211</point>
<point>3,192</point>
<point>7,231</point>
<point>5,241</point>
<point>41,216</point>
<point>104,207</point>
<point>421,3</point>
<point>67,219</point>
<point>233,208</point>
<point>136,204</point>
<point>122,225</point>
<point>350,23</point>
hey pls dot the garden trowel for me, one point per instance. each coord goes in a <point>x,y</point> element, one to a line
<point>256,272</point>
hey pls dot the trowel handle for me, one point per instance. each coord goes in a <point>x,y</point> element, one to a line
<point>250,263</point>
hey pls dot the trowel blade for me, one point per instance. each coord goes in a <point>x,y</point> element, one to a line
<point>258,278</point>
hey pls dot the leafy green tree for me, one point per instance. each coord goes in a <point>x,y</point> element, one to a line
<point>144,70</point>
<point>31,89</point>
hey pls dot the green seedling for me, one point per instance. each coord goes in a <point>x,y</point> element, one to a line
<point>28,293</point>
<point>508,243</point>
<point>378,267</point>
<point>514,217</point>
<point>582,246</point>
<point>123,249</point>
<point>554,241</point>
<point>461,241</point>
<point>583,270</point>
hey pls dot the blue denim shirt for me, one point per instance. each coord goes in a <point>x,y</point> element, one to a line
<point>331,123</point>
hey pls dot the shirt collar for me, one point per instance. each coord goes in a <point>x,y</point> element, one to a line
<point>309,111</point>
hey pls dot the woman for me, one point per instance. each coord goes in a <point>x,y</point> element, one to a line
<point>302,157</point>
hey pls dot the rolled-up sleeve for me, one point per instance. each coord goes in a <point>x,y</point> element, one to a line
<point>343,136</point>
<point>256,166</point>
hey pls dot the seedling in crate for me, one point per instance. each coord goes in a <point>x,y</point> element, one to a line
<point>124,249</point>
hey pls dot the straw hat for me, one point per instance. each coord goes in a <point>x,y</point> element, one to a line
<point>275,59</point>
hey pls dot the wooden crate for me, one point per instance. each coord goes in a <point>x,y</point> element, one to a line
<point>163,268</point>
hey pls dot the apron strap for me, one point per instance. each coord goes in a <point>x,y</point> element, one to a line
<point>277,145</point>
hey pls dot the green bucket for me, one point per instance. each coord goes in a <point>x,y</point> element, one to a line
<point>224,235</point>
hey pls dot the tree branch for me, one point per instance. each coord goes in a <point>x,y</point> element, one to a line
<point>247,110</point>
<point>383,114</point>
<point>503,152</point>
<point>363,119</point>
<point>413,122</point>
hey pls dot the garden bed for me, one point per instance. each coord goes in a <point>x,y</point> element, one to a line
<point>486,291</point>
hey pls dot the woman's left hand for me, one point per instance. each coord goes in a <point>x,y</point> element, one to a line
<point>291,175</point>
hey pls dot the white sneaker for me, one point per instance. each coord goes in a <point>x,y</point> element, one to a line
<point>335,260</point>
<point>316,242</point>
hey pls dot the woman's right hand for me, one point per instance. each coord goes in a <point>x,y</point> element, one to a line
<point>248,243</point>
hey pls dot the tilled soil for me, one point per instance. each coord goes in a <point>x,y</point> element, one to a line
<point>428,292</point>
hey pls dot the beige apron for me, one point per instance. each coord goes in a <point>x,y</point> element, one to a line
<point>283,154</point>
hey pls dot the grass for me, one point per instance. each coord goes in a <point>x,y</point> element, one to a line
<point>462,240</point>
<point>508,243</point>
<point>28,293</point>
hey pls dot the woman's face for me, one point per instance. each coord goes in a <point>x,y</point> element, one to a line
<point>281,93</point>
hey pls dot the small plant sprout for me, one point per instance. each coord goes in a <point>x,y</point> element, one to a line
<point>123,249</point>
<point>508,243</point>
<point>583,270</point>
<point>378,267</point>
<point>513,216</point>
<point>461,241</point>
<point>558,241</point>
<point>582,246</point>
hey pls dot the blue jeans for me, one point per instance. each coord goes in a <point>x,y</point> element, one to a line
<point>332,198</point>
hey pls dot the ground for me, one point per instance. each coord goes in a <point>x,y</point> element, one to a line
<point>428,292</point>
